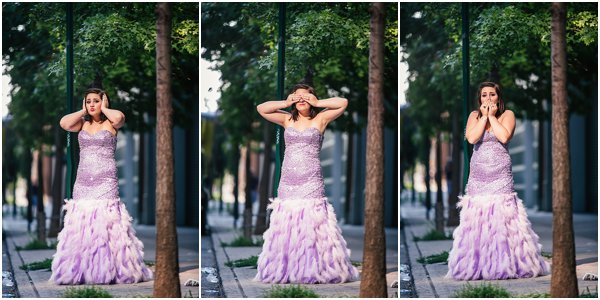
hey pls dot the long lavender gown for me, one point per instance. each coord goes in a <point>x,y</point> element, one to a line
<point>303,243</point>
<point>97,244</point>
<point>494,239</point>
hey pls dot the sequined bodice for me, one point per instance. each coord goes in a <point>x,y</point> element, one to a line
<point>490,169</point>
<point>97,171</point>
<point>301,168</point>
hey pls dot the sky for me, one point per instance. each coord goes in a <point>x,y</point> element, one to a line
<point>209,87</point>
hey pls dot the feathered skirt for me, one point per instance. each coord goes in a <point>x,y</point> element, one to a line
<point>494,240</point>
<point>304,244</point>
<point>98,245</point>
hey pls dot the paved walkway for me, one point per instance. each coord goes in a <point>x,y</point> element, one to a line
<point>237,282</point>
<point>35,284</point>
<point>429,279</point>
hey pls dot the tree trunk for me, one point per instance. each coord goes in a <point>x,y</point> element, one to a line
<point>373,282</point>
<point>263,187</point>
<point>166,279</point>
<point>439,203</point>
<point>236,188</point>
<point>349,163</point>
<point>453,215</point>
<point>413,194</point>
<point>57,184</point>
<point>40,215</point>
<point>248,194</point>
<point>427,177</point>
<point>564,277</point>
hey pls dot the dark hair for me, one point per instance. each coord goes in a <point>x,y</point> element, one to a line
<point>313,111</point>
<point>496,86</point>
<point>100,92</point>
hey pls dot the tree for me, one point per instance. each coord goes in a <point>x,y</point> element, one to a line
<point>564,277</point>
<point>166,282</point>
<point>373,284</point>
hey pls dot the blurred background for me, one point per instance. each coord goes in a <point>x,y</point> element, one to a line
<point>326,46</point>
<point>113,46</point>
<point>509,43</point>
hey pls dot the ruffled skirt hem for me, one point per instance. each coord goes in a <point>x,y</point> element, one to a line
<point>98,245</point>
<point>304,244</point>
<point>494,240</point>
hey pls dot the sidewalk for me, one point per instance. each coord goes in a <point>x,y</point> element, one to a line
<point>429,279</point>
<point>35,284</point>
<point>237,282</point>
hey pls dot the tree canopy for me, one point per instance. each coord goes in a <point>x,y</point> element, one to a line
<point>115,41</point>
<point>326,44</point>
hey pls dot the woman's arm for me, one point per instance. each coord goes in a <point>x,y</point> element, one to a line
<point>334,107</point>
<point>273,111</point>
<point>73,121</point>
<point>475,127</point>
<point>116,117</point>
<point>503,130</point>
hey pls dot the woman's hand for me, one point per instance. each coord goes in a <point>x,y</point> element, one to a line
<point>83,105</point>
<point>493,108</point>
<point>310,99</point>
<point>291,99</point>
<point>484,109</point>
<point>104,104</point>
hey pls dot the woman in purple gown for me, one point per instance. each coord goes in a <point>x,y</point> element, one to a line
<point>303,243</point>
<point>97,244</point>
<point>494,239</point>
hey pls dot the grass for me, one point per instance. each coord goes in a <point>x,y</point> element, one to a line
<point>38,265</point>
<point>433,235</point>
<point>546,254</point>
<point>149,263</point>
<point>588,294</point>
<point>535,295</point>
<point>485,290</point>
<point>356,263</point>
<point>251,261</point>
<point>434,259</point>
<point>36,244</point>
<point>241,241</point>
<point>86,292</point>
<point>293,291</point>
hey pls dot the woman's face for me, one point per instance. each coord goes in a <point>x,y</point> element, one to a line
<point>92,104</point>
<point>302,105</point>
<point>488,94</point>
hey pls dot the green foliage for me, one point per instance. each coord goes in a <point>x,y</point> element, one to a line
<point>535,295</point>
<point>251,261</point>
<point>292,291</point>
<point>38,265</point>
<point>356,263</point>
<point>547,254</point>
<point>589,294</point>
<point>86,292</point>
<point>36,244</point>
<point>485,290</point>
<point>433,235</point>
<point>149,263</point>
<point>242,241</point>
<point>434,259</point>
<point>113,40</point>
<point>325,42</point>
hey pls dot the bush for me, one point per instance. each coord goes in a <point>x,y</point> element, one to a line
<point>251,261</point>
<point>36,244</point>
<point>433,235</point>
<point>485,290</point>
<point>241,241</point>
<point>435,258</point>
<point>86,292</point>
<point>38,265</point>
<point>294,291</point>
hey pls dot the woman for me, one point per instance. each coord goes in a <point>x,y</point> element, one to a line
<point>494,239</point>
<point>303,243</point>
<point>97,244</point>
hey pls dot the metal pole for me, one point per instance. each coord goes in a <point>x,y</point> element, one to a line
<point>69,72</point>
<point>280,83</point>
<point>465,62</point>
